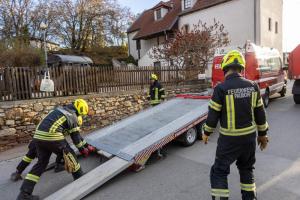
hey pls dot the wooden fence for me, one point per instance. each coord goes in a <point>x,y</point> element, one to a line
<point>23,83</point>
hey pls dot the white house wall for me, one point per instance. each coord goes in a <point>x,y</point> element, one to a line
<point>237,16</point>
<point>146,46</point>
<point>132,45</point>
<point>271,9</point>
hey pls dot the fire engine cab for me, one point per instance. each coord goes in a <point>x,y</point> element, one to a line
<point>263,65</point>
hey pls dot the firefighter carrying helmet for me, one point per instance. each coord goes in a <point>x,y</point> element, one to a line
<point>233,58</point>
<point>81,106</point>
<point>153,77</point>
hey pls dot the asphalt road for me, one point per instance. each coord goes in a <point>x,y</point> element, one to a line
<point>184,174</point>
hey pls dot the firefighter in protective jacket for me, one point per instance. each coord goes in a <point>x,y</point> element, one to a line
<point>238,105</point>
<point>49,138</point>
<point>156,92</point>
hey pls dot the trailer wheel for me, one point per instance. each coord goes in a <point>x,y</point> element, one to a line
<point>297,98</point>
<point>190,137</point>
<point>266,99</point>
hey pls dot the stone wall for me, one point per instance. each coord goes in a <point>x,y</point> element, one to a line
<point>18,119</point>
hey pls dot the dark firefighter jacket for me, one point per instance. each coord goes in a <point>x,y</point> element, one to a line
<point>156,93</point>
<point>57,124</point>
<point>238,105</point>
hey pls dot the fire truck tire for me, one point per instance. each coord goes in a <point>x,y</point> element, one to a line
<point>297,98</point>
<point>266,98</point>
<point>189,137</point>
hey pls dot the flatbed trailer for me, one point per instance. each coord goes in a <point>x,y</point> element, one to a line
<point>131,141</point>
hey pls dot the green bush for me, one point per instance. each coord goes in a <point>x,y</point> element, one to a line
<point>21,57</point>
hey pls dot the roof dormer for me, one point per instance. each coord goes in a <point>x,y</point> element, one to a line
<point>159,13</point>
<point>161,10</point>
<point>187,4</point>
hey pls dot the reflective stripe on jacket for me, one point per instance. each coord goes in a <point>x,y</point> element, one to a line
<point>238,105</point>
<point>58,123</point>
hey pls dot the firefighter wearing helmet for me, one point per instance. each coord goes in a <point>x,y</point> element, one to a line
<point>49,137</point>
<point>156,92</point>
<point>238,105</point>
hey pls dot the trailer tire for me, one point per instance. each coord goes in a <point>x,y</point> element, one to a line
<point>266,98</point>
<point>189,137</point>
<point>297,98</point>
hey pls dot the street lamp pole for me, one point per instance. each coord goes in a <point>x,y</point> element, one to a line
<point>44,28</point>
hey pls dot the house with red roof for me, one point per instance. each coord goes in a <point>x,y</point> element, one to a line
<point>258,21</point>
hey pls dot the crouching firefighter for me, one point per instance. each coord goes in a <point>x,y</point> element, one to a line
<point>156,92</point>
<point>237,104</point>
<point>49,138</point>
<point>29,157</point>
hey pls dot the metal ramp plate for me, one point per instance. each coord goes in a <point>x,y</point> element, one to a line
<point>130,136</point>
<point>91,181</point>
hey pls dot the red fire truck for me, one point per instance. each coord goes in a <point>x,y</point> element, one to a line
<point>294,72</point>
<point>263,65</point>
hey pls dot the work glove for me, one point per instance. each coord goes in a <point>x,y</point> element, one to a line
<point>205,138</point>
<point>84,151</point>
<point>262,142</point>
<point>91,148</point>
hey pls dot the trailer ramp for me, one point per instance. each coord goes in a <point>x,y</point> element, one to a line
<point>91,181</point>
<point>127,138</point>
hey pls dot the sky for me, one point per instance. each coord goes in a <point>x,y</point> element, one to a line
<point>291,16</point>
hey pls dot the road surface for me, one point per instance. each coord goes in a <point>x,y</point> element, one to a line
<point>184,174</point>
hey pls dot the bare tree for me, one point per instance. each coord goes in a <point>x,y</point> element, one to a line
<point>117,20</point>
<point>43,12</point>
<point>15,18</point>
<point>76,24</point>
<point>192,49</point>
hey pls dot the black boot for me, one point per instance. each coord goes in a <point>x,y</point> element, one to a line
<point>26,196</point>
<point>59,167</point>
<point>77,175</point>
<point>15,176</point>
<point>249,195</point>
<point>220,198</point>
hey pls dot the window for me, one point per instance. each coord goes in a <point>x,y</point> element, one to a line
<point>187,4</point>
<point>274,63</point>
<point>158,14</point>
<point>276,27</point>
<point>269,64</point>
<point>186,28</point>
<point>138,44</point>
<point>270,24</point>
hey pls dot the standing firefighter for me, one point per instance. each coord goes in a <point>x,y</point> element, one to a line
<point>49,138</point>
<point>238,105</point>
<point>156,92</point>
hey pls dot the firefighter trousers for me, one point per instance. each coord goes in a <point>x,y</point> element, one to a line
<point>44,150</point>
<point>230,149</point>
<point>31,155</point>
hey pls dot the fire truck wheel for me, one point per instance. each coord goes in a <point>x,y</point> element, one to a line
<point>297,98</point>
<point>190,137</point>
<point>266,98</point>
